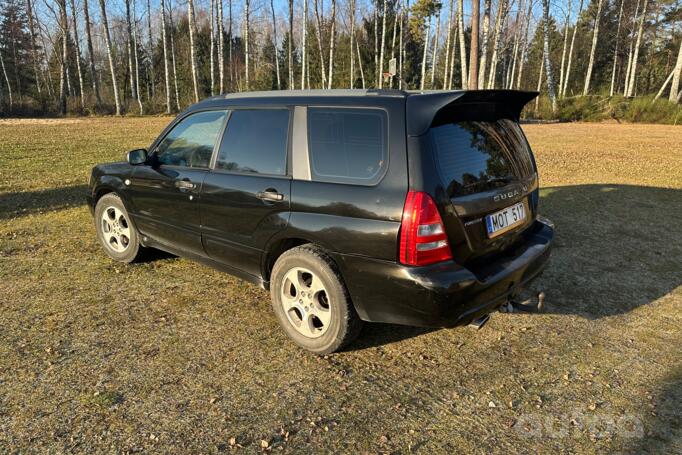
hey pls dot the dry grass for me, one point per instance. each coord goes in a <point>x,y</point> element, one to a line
<point>169,356</point>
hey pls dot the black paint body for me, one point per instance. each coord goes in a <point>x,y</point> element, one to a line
<point>226,225</point>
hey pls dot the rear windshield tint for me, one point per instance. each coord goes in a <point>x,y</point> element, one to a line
<point>479,156</point>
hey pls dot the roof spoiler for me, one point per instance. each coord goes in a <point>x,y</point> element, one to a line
<point>425,108</point>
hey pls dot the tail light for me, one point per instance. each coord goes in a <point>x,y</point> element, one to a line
<point>422,233</point>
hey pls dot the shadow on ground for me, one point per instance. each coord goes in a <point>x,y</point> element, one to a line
<point>662,430</point>
<point>617,247</point>
<point>13,205</point>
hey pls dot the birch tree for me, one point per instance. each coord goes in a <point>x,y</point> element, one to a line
<point>462,43</point>
<point>164,45</point>
<point>434,54</point>
<point>564,47</point>
<point>484,46</point>
<point>34,51</point>
<point>291,44</point>
<point>332,43</point>
<point>677,74</point>
<point>9,85</point>
<point>427,33</point>
<point>524,44</point>
<point>570,51</point>
<point>91,56</point>
<point>110,55</point>
<point>473,54</point>
<point>64,27</point>
<point>137,61</point>
<point>192,49</point>
<point>500,18</point>
<point>383,41</point>
<point>635,55</point>
<point>615,50</point>
<point>319,44</point>
<point>150,42</point>
<point>551,88</point>
<point>76,42</point>
<point>352,38</point>
<point>211,31</point>
<point>304,43</point>
<point>274,32</point>
<point>593,50</point>
<point>221,48</point>
<point>172,47</point>
<point>446,67</point>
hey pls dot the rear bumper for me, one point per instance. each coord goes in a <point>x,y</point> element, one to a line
<point>445,294</point>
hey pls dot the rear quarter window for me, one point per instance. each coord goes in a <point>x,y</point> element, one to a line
<point>347,145</point>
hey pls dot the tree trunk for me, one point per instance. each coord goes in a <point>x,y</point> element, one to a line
<point>524,45</point>
<point>129,50</point>
<point>570,51</point>
<point>635,56</point>
<point>665,84</point>
<point>110,55</point>
<point>462,44</point>
<point>500,18</point>
<point>401,51</point>
<point>362,73</point>
<point>434,53</point>
<point>164,41</point>
<point>274,31</point>
<point>426,51</point>
<point>542,67</point>
<point>352,38</point>
<point>629,66</point>
<point>551,88</point>
<point>615,50</point>
<point>484,47</point>
<point>229,55</point>
<point>137,60</point>
<point>172,45</point>
<point>211,30</point>
<point>91,62</point>
<point>319,44</point>
<point>383,41</point>
<point>64,26</point>
<point>150,37</point>
<point>304,50</point>
<point>34,52</point>
<point>50,84</point>
<point>453,57</point>
<point>291,44</point>
<point>447,46</point>
<point>677,74</point>
<point>564,48</point>
<point>595,38</point>
<point>332,44</point>
<point>377,76</point>
<point>192,48</point>
<point>9,86</point>
<point>78,53</point>
<point>473,54</point>
<point>221,49</point>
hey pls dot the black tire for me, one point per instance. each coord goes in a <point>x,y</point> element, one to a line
<point>344,325</point>
<point>121,252</point>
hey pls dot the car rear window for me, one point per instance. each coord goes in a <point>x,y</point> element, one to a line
<point>347,145</point>
<point>479,156</point>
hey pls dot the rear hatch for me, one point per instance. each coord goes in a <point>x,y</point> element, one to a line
<point>484,176</point>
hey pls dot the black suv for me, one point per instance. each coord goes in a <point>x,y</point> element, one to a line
<point>416,208</point>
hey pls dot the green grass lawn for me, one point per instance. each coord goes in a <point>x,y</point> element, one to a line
<point>170,356</point>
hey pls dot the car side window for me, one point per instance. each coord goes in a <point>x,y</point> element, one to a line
<point>255,142</point>
<point>347,145</point>
<point>190,143</point>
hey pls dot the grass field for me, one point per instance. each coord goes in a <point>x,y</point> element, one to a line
<point>170,356</point>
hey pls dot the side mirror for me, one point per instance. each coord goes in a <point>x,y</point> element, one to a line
<point>137,156</point>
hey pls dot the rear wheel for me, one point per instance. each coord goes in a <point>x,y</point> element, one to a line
<point>115,231</point>
<point>311,301</point>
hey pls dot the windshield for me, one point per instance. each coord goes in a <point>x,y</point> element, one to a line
<point>480,156</point>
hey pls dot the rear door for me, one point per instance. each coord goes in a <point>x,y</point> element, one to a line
<point>246,195</point>
<point>488,174</point>
<point>165,192</point>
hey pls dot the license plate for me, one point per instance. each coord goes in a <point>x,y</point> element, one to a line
<point>500,222</point>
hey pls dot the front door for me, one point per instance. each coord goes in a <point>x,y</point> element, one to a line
<point>166,192</point>
<point>246,195</point>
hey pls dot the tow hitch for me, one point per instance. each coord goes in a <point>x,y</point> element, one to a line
<point>534,304</point>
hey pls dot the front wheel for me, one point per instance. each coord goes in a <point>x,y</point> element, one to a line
<point>115,231</point>
<point>311,301</point>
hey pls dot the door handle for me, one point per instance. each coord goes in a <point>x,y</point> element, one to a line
<point>184,185</point>
<point>270,195</point>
